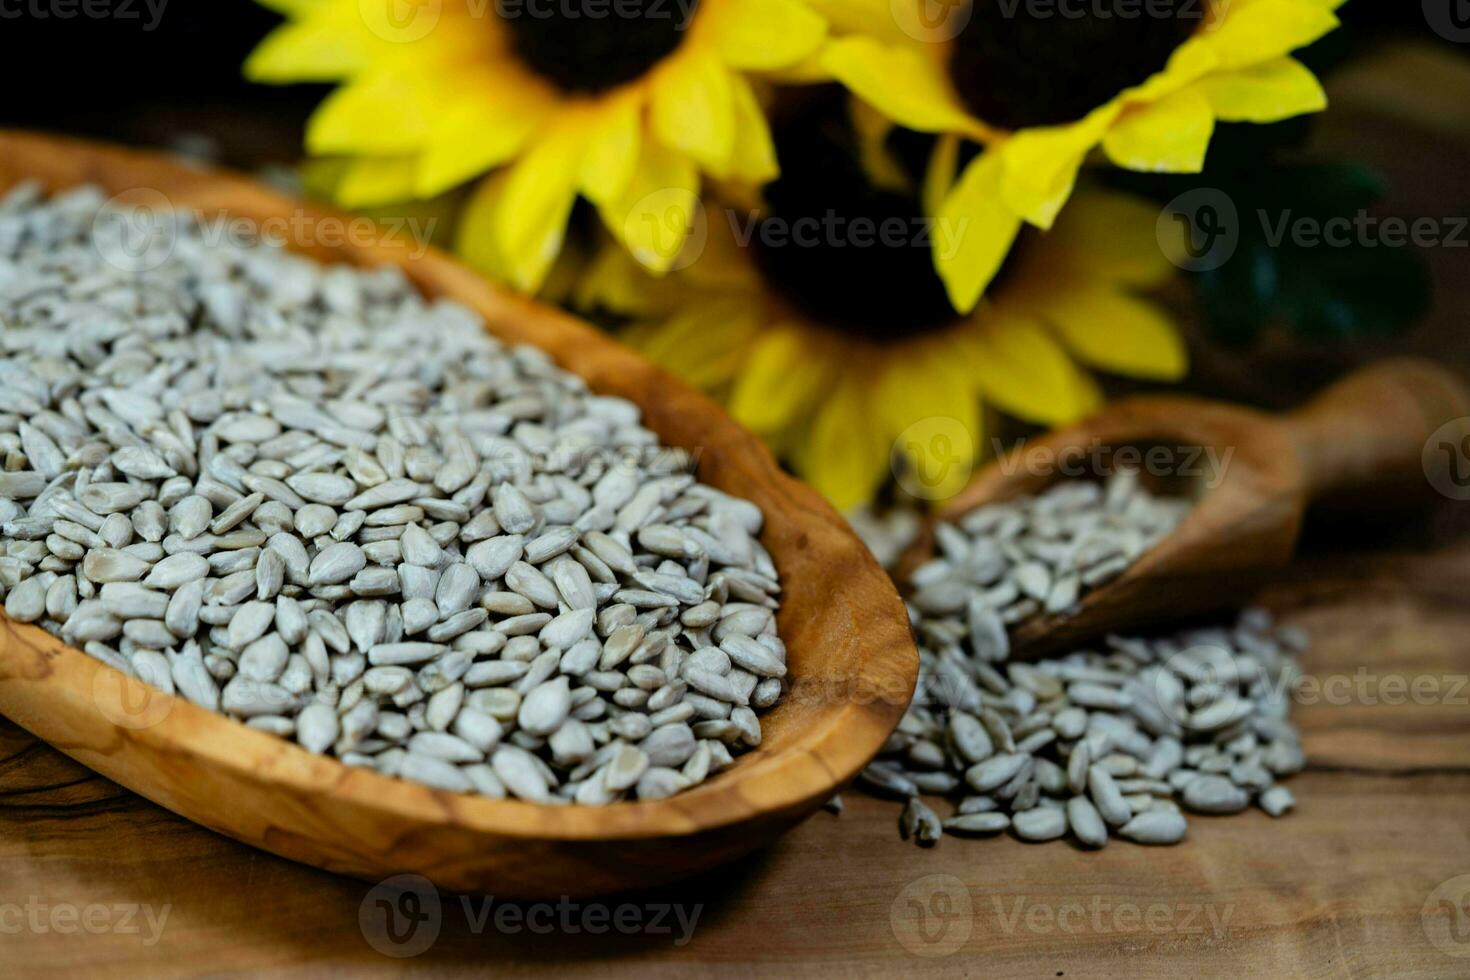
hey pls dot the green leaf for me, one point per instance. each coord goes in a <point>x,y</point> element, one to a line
<point>1358,291</point>
<point>1316,289</point>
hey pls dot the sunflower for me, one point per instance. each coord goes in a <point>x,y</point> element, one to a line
<point>836,342</point>
<point>552,99</point>
<point>1044,85</point>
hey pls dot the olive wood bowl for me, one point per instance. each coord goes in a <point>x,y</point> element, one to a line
<point>852,660</point>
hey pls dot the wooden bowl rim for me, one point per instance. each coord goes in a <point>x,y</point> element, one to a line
<point>795,776</point>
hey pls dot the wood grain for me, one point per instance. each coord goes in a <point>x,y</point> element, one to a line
<point>853,663</point>
<point>1252,475</point>
<point>1335,889</point>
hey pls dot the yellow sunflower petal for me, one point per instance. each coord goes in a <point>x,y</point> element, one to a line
<point>872,129</point>
<point>1041,164</point>
<point>929,388</point>
<point>326,44</point>
<point>474,136</point>
<point>1022,370</point>
<point>905,84</point>
<point>869,18</point>
<point>705,344</point>
<point>653,215</point>
<point>843,456</point>
<point>1190,62</point>
<point>1109,235</point>
<point>724,264</point>
<point>783,375</point>
<point>693,108</point>
<point>612,149</point>
<point>474,231</point>
<point>753,158</point>
<point>369,181</point>
<point>1088,394</point>
<point>614,283</point>
<point>763,35</point>
<point>1265,93</point>
<point>973,232</point>
<point>540,189</point>
<point>452,160</point>
<point>939,175</point>
<point>319,178</point>
<point>1117,332</point>
<point>377,114</point>
<point>1169,136</point>
<point>1266,30</point>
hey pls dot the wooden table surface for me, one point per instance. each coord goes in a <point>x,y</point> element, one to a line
<point>1369,878</point>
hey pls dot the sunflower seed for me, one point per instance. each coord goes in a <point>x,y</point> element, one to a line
<point>1155,827</point>
<point>1041,823</point>
<point>977,823</point>
<point>26,603</point>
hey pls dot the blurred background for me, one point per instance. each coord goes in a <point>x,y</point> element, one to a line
<point>1395,140</point>
<point>1399,116</point>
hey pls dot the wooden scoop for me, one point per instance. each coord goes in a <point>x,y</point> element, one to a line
<point>1252,474</point>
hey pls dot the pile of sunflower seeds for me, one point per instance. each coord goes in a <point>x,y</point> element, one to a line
<point>1006,562</point>
<point>1100,743</point>
<point>1116,741</point>
<point>306,498</point>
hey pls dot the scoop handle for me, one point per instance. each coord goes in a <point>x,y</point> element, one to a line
<point>1370,430</point>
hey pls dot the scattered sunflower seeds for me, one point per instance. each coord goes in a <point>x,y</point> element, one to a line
<point>307,498</point>
<point>1116,741</point>
<point>1035,746</point>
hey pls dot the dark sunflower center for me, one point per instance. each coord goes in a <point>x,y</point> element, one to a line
<point>1019,64</point>
<point>846,254</point>
<point>583,46</point>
